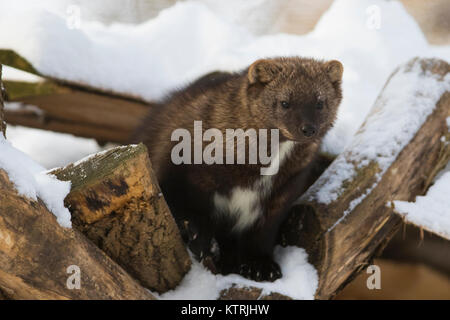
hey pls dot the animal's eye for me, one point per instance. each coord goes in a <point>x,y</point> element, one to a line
<point>285,104</point>
<point>319,105</point>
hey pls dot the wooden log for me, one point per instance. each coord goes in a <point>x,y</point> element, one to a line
<point>2,122</point>
<point>15,60</point>
<point>70,107</point>
<point>73,110</point>
<point>342,233</point>
<point>116,202</point>
<point>413,245</point>
<point>11,58</point>
<point>250,293</point>
<point>36,252</point>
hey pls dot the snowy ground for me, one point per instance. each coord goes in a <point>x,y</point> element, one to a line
<point>371,38</point>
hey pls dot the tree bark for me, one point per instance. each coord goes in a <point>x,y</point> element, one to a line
<point>116,202</point>
<point>36,252</point>
<point>342,236</point>
<point>2,122</point>
<point>250,293</point>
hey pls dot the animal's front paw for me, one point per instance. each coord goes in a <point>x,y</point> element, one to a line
<point>260,270</point>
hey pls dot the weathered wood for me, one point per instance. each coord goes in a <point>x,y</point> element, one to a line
<point>35,252</point>
<point>116,202</point>
<point>10,58</point>
<point>250,293</point>
<point>70,107</point>
<point>413,245</point>
<point>2,122</point>
<point>15,60</point>
<point>342,236</point>
<point>73,110</point>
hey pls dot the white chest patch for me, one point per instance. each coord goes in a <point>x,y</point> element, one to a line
<point>244,204</point>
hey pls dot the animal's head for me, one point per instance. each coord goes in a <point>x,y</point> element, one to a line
<point>298,96</point>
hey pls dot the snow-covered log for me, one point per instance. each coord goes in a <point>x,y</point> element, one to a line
<point>68,107</point>
<point>39,259</point>
<point>250,293</point>
<point>116,202</point>
<point>345,217</point>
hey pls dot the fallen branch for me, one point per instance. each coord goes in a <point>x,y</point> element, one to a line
<point>116,202</point>
<point>343,220</point>
<point>246,293</point>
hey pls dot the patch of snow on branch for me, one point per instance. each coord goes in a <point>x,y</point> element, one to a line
<point>403,106</point>
<point>192,38</point>
<point>31,181</point>
<point>432,211</point>
<point>299,281</point>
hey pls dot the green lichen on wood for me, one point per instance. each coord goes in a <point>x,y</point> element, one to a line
<point>17,90</point>
<point>12,59</point>
<point>98,166</point>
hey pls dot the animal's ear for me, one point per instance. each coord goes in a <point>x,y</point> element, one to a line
<point>334,70</point>
<point>263,71</point>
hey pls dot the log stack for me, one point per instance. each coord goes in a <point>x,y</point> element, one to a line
<point>342,235</point>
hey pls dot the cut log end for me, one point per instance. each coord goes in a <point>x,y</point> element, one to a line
<point>116,202</point>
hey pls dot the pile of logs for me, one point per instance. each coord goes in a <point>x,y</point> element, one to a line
<point>124,239</point>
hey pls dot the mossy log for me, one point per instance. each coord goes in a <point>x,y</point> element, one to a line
<point>36,252</point>
<point>342,235</point>
<point>116,202</point>
<point>70,107</point>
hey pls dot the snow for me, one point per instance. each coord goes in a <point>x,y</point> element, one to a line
<point>100,153</point>
<point>17,106</point>
<point>299,279</point>
<point>191,38</point>
<point>432,211</point>
<point>400,110</point>
<point>48,148</point>
<point>32,181</point>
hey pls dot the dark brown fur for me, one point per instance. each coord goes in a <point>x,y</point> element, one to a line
<point>251,99</point>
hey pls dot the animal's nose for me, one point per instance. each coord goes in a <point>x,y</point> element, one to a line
<point>309,130</point>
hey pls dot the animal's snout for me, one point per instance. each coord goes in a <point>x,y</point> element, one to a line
<point>309,130</point>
